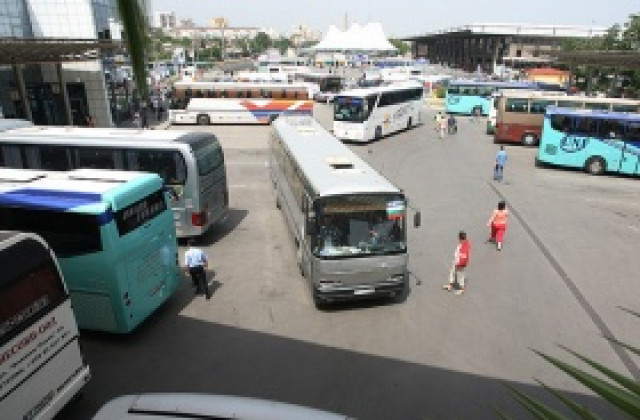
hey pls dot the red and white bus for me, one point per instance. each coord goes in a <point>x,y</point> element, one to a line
<point>238,102</point>
<point>520,114</point>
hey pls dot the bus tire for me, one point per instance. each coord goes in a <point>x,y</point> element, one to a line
<point>595,165</point>
<point>203,119</point>
<point>409,123</point>
<point>378,133</point>
<point>530,140</point>
<point>477,111</point>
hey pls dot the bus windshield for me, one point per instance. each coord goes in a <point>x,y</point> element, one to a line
<point>350,109</point>
<point>360,225</point>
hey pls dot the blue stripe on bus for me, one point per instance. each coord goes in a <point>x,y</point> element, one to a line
<point>55,200</point>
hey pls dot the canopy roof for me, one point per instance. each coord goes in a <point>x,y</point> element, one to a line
<point>370,37</point>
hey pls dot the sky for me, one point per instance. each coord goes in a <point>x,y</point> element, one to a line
<point>400,18</point>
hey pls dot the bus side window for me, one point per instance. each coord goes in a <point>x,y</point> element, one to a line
<point>95,158</point>
<point>560,123</point>
<point>632,130</point>
<point>12,157</point>
<point>169,165</point>
<point>51,158</point>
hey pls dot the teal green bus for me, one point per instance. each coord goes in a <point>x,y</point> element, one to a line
<point>112,232</point>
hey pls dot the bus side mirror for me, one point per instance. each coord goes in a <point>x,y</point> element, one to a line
<point>311,223</point>
<point>417,219</point>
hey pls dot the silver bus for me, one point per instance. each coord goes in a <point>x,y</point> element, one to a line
<point>190,163</point>
<point>41,365</point>
<point>349,223</point>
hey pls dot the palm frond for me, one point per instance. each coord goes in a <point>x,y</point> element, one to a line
<point>136,33</point>
<point>624,400</point>
<point>580,410</point>
<point>629,384</point>
<point>632,349</point>
<point>538,409</point>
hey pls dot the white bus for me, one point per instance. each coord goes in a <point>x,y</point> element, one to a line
<point>190,163</point>
<point>41,365</point>
<point>365,114</point>
<point>238,102</point>
<point>348,221</point>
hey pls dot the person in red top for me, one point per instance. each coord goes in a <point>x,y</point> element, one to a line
<point>498,224</point>
<point>460,261</point>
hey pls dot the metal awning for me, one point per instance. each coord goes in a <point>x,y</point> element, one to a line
<point>619,59</point>
<point>53,50</point>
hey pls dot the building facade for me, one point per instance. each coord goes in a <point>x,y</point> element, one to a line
<point>486,47</point>
<point>83,81</point>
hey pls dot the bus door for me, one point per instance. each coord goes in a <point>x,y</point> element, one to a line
<point>630,161</point>
<point>308,232</point>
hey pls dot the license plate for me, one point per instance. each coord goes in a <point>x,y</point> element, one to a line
<point>367,291</point>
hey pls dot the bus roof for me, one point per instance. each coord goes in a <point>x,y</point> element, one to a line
<point>331,167</point>
<point>593,113</point>
<point>364,91</point>
<point>100,136</point>
<point>241,85</point>
<point>83,190</point>
<point>11,123</point>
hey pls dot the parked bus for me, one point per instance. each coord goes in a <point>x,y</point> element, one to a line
<point>364,114</point>
<point>474,97</point>
<point>113,235</point>
<point>41,365</point>
<point>329,84</point>
<point>207,103</point>
<point>594,140</point>
<point>520,114</point>
<point>190,163</point>
<point>348,222</point>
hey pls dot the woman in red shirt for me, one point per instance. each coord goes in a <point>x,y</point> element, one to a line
<point>498,224</point>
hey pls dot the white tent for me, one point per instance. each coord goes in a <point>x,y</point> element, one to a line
<point>370,37</point>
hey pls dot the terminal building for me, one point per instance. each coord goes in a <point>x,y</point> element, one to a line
<point>492,47</point>
<point>52,56</point>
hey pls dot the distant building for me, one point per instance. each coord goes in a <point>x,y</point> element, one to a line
<point>165,21</point>
<point>487,46</point>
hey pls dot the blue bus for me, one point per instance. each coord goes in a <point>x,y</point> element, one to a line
<point>474,97</point>
<point>593,140</point>
<point>113,234</point>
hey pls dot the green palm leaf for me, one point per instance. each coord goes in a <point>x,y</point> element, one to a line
<point>136,33</point>
<point>632,349</point>
<point>624,400</point>
<point>630,384</point>
<point>538,409</point>
<point>580,410</point>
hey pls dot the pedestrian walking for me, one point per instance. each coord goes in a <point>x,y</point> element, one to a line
<point>452,124</point>
<point>460,261</point>
<point>498,224</point>
<point>501,159</point>
<point>195,262</point>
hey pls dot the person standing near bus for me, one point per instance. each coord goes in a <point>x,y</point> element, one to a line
<point>195,262</point>
<point>460,261</point>
<point>498,224</point>
<point>501,159</point>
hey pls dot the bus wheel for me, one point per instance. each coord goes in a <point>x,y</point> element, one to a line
<point>529,139</point>
<point>477,111</point>
<point>595,165</point>
<point>409,123</point>
<point>378,133</point>
<point>203,120</point>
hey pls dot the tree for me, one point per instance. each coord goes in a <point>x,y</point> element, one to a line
<point>261,42</point>
<point>402,46</point>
